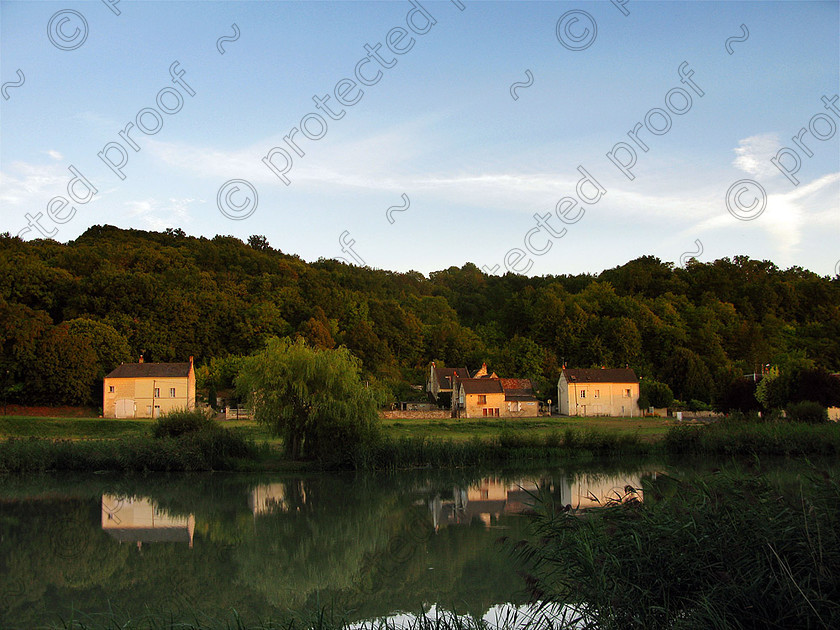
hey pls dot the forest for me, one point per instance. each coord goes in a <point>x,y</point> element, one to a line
<point>70,313</point>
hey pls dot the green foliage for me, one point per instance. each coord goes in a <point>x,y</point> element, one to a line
<point>807,411</point>
<point>314,399</point>
<point>67,312</point>
<point>725,551</point>
<point>654,394</point>
<point>182,421</point>
<point>747,436</point>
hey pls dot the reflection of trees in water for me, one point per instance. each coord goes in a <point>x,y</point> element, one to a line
<point>362,542</point>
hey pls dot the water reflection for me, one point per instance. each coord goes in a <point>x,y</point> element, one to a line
<point>271,546</point>
<point>139,520</point>
<point>487,500</point>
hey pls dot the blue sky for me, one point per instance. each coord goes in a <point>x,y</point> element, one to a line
<point>441,128</point>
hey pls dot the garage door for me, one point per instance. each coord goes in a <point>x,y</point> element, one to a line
<point>124,408</point>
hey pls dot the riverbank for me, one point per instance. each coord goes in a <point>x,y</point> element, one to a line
<point>62,444</point>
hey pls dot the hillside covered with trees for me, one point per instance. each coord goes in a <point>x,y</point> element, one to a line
<point>69,313</point>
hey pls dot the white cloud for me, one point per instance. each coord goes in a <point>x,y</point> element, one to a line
<point>754,153</point>
<point>54,155</point>
<point>159,215</point>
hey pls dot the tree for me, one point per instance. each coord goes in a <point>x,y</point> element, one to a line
<point>654,394</point>
<point>312,398</point>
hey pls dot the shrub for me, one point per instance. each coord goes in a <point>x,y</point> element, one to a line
<point>181,421</point>
<point>807,411</point>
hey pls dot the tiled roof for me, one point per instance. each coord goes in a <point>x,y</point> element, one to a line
<point>612,375</point>
<point>150,370</point>
<point>481,385</point>
<point>519,389</point>
<point>442,373</point>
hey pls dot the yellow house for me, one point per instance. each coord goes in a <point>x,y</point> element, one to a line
<point>479,398</point>
<point>146,390</point>
<point>594,392</point>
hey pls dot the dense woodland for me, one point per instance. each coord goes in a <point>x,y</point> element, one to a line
<point>69,313</point>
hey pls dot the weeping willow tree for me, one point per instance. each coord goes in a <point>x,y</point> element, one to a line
<point>313,398</point>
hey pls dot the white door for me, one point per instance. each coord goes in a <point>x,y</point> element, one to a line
<point>124,408</point>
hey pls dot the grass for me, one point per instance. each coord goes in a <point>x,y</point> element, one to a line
<point>465,429</point>
<point>727,550</point>
<point>458,430</point>
<point>740,438</point>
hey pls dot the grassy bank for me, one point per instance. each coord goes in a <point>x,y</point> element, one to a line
<point>458,430</point>
<point>739,438</point>
<point>41,444</point>
<point>721,551</point>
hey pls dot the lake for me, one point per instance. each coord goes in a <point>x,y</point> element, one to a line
<point>102,548</point>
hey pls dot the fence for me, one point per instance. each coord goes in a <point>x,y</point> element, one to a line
<point>238,414</point>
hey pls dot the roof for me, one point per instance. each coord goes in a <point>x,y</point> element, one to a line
<point>150,370</point>
<point>443,373</point>
<point>612,375</point>
<point>518,389</point>
<point>481,385</point>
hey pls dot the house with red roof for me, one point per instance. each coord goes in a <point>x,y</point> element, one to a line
<point>488,396</point>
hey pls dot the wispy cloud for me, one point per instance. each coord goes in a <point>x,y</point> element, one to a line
<point>159,215</point>
<point>754,153</point>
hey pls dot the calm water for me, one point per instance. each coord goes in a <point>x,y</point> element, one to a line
<point>197,546</point>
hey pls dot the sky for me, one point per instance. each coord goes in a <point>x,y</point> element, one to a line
<point>531,137</point>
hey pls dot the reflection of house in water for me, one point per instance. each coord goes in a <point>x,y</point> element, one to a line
<point>139,520</point>
<point>489,499</point>
<point>588,491</point>
<point>276,497</point>
<point>485,502</point>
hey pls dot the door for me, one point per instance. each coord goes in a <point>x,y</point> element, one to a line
<point>124,408</point>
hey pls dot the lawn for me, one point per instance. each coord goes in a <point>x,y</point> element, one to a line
<point>648,429</point>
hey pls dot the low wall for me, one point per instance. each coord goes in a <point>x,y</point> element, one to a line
<point>412,415</point>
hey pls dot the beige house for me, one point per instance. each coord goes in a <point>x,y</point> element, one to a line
<point>441,380</point>
<point>494,397</point>
<point>594,392</point>
<point>146,390</point>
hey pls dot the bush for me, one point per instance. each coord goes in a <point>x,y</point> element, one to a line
<point>807,411</point>
<point>181,421</point>
<point>736,553</point>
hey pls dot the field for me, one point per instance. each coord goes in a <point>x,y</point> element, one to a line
<point>458,430</point>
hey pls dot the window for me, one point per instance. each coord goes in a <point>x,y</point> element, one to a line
<point>148,410</point>
<point>627,393</point>
<point>482,399</point>
<point>497,412</point>
<point>157,392</point>
<point>583,393</point>
<point>172,392</point>
<point>110,389</point>
<point>597,393</point>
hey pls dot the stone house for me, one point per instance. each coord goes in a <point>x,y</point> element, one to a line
<point>598,392</point>
<point>147,390</point>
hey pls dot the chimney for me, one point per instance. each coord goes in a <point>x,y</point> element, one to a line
<point>191,361</point>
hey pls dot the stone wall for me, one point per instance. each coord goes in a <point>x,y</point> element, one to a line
<point>412,415</point>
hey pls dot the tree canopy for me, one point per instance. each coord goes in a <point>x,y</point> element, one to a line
<point>312,398</point>
<point>79,307</point>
